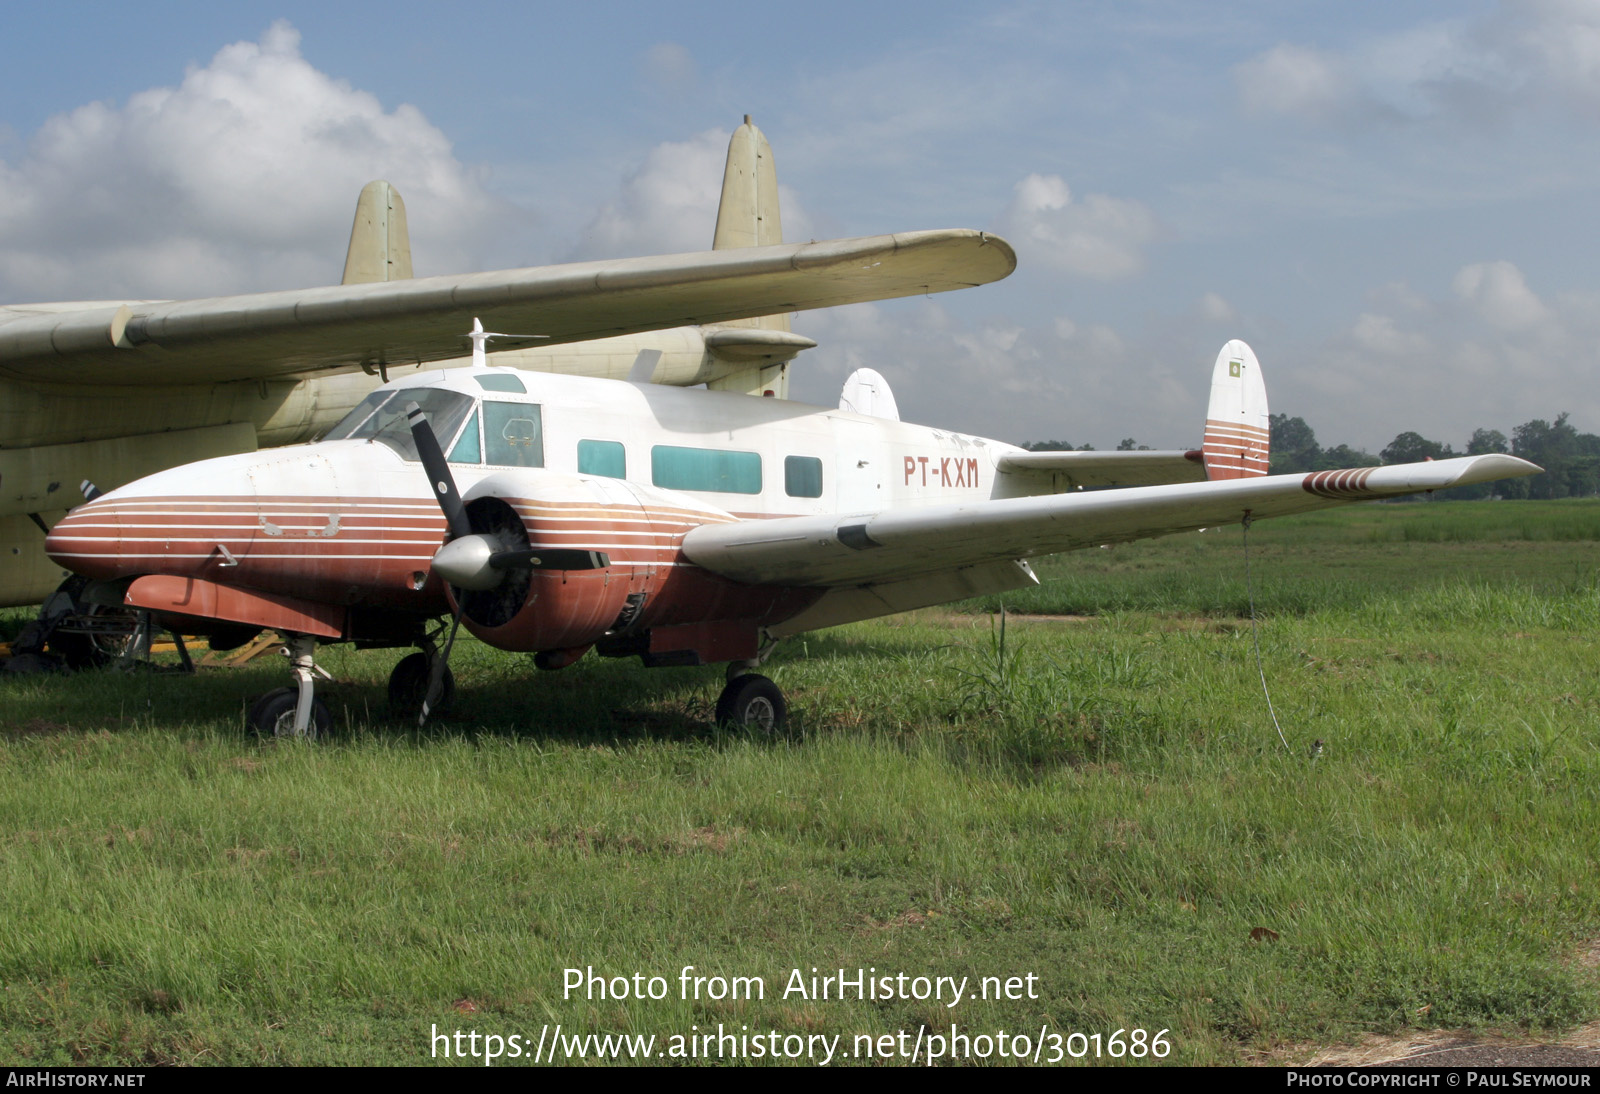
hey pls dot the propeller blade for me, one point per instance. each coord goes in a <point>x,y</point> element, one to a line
<point>440,663</point>
<point>550,558</point>
<point>438,469</point>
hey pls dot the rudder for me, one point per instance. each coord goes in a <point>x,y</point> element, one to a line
<point>1238,432</point>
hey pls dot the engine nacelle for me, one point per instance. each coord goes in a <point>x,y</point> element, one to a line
<point>647,599</point>
<point>537,608</point>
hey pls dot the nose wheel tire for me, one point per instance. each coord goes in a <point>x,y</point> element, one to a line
<point>408,686</point>
<point>751,701</point>
<point>272,716</point>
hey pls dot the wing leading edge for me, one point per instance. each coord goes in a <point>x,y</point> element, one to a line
<point>899,544</point>
<point>305,331</point>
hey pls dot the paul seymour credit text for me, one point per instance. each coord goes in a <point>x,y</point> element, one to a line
<point>923,1044</point>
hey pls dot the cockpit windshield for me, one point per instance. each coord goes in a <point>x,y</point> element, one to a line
<point>381,416</point>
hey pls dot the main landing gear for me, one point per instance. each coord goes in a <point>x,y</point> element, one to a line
<point>408,684</point>
<point>751,701</point>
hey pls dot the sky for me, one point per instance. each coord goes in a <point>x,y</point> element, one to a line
<point>1395,205</point>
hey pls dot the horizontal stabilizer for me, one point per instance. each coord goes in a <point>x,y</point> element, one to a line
<point>754,344</point>
<point>831,551</point>
<point>1148,468</point>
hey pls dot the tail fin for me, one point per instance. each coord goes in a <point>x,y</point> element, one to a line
<point>1238,432</point>
<point>748,217</point>
<point>380,245</point>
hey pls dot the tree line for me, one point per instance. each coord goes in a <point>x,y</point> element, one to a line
<point>1571,460</point>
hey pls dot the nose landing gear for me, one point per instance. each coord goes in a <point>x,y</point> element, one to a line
<point>294,711</point>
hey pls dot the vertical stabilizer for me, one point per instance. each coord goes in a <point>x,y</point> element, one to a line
<point>1238,434</point>
<point>748,213</point>
<point>748,217</point>
<point>380,245</point>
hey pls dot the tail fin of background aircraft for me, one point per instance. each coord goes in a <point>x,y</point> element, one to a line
<point>1238,432</point>
<point>380,245</point>
<point>748,217</point>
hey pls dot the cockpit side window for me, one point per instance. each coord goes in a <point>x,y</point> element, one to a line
<point>513,434</point>
<point>386,420</point>
<point>468,449</point>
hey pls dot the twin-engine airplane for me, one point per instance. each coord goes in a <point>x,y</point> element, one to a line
<point>682,526</point>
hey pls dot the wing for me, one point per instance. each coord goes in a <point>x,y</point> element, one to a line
<point>1107,468</point>
<point>306,331</point>
<point>899,544</point>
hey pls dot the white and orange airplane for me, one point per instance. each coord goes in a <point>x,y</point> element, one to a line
<point>682,526</point>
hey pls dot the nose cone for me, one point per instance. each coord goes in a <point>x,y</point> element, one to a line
<point>173,522</point>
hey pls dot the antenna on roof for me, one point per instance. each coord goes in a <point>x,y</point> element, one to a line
<point>480,339</point>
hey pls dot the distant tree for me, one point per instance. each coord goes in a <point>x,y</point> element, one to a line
<point>1128,444</point>
<point>1554,447</point>
<point>1414,448</point>
<point>1332,459</point>
<point>1048,446</point>
<point>1485,441</point>
<point>1294,445</point>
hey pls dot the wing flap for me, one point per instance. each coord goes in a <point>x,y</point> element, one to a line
<point>1148,468</point>
<point>305,331</point>
<point>902,543</point>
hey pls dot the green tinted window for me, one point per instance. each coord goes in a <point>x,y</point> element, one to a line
<point>501,381</point>
<point>705,469</point>
<point>802,476</point>
<point>602,458</point>
<point>514,434</point>
<point>468,449</point>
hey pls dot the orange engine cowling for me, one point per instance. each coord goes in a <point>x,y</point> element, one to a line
<point>550,609</point>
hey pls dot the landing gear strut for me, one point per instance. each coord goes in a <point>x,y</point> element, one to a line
<point>294,711</point>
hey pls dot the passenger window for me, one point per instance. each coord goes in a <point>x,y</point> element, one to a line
<point>468,448</point>
<point>513,434</point>
<point>802,476</point>
<point>602,458</point>
<point>705,469</point>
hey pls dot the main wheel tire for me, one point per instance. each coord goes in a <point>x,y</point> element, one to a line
<point>408,687</point>
<point>751,701</point>
<point>272,716</point>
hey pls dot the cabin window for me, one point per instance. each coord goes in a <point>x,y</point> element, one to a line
<point>513,434</point>
<point>705,469</point>
<point>802,476</point>
<point>602,458</point>
<point>468,448</point>
<point>502,381</point>
<point>381,417</point>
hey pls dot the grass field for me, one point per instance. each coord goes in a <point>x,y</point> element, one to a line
<point>1101,801</point>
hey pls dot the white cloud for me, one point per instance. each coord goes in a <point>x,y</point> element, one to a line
<point>1294,80</point>
<point>1214,308</point>
<point>1477,69</point>
<point>1099,236</point>
<point>669,204</point>
<point>1497,292</point>
<point>242,177</point>
<point>670,67</point>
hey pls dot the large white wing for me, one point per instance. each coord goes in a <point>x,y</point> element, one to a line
<point>305,331</point>
<point>897,544</point>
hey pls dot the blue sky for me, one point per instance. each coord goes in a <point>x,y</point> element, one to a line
<point>1394,205</point>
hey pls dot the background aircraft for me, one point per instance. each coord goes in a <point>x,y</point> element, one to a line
<point>113,390</point>
<point>684,527</point>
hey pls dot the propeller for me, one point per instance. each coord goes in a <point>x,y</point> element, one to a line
<point>469,560</point>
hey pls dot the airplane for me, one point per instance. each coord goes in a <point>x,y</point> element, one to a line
<point>114,390</point>
<point>684,527</point>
